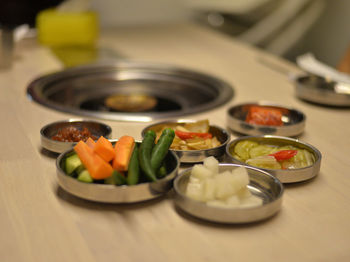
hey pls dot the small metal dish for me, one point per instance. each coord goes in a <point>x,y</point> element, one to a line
<point>48,131</point>
<point>293,120</point>
<point>284,175</point>
<point>117,194</point>
<point>195,156</point>
<point>322,91</point>
<point>262,184</point>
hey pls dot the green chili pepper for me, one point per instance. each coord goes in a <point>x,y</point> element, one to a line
<point>134,168</point>
<point>160,150</point>
<point>145,152</point>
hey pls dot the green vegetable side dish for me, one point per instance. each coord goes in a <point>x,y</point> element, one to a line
<point>133,176</point>
<point>145,154</point>
<point>160,150</point>
<point>266,155</point>
<point>140,167</point>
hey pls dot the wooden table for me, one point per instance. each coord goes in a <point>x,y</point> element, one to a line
<point>41,222</point>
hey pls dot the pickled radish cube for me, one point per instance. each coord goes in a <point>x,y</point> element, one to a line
<point>233,201</point>
<point>241,177</point>
<point>244,193</point>
<point>194,190</point>
<point>212,164</point>
<point>201,172</point>
<point>209,189</point>
<point>226,185</point>
<point>252,201</point>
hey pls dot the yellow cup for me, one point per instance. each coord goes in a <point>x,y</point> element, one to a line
<point>56,29</point>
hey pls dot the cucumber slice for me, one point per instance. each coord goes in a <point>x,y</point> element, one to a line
<point>84,176</point>
<point>115,179</point>
<point>72,162</point>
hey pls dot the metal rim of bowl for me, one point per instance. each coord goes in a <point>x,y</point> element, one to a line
<point>321,96</point>
<point>195,156</point>
<point>234,215</point>
<point>59,146</point>
<point>284,175</point>
<point>105,193</point>
<point>240,126</point>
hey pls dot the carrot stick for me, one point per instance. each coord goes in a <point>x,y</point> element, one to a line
<point>123,150</point>
<point>90,142</point>
<point>97,167</point>
<point>104,149</point>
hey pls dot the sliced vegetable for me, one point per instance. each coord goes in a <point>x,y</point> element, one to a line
<point>123,150</point>
<point>160,150</point>
<point>272,155</point>
<point>90,142</point>
<point>84,176</point>
<point>145,155</point>
<point>116,178</point>
<point>134,169</point>
<point>104,149</point>
<point>188,135</point>
<point>72,163</point>
<point>97,167</point>
<point>284,154</point>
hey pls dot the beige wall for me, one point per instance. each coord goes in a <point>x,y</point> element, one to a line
<point>330,36</point>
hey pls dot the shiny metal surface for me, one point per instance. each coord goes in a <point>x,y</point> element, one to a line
<point>96,128</point>
<point>117,194</point>
<point>293,120</point>
<point>262,184</point>
<point>83,90</point>
<point>195,156</point>
<point>284,175</point>
<point>322,91</point>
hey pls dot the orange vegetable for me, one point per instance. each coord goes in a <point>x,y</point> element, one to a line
<point>97,167</point>
<point>123,150</point>
<point>104,149</point>
<point>90,142</point>
<point>263,115</point>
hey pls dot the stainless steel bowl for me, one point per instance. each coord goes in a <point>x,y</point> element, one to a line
<point>117,194</point>
<point>284,175</point>
<point>262,184</point>
<point>322,91</point>
<point>96,128</point>
<point>195,156</point>
<point>293,120</point>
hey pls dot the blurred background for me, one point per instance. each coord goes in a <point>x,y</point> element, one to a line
<point>287,28</point>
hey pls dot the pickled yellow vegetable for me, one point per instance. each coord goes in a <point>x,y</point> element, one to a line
<point>272,156</point>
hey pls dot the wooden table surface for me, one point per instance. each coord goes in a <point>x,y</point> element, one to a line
<point>39,221</point>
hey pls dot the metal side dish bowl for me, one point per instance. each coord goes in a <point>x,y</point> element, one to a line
<point>261,184</point>
<point>322,91</point>
<point>49,131</point>
<point>272,154</point>
<point>108,193</point>
<point>195,156</point>
<point>291,121</point>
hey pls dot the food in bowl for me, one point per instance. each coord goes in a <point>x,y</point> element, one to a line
<point>125,163</point>
<point>227,189</point>
<point>271,155</point>
<point>73,134</point>
<point>191,136</point>
<point>264,115</point>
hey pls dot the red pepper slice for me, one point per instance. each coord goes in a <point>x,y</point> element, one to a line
<point>187,135</point>
<point>284,154</point>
